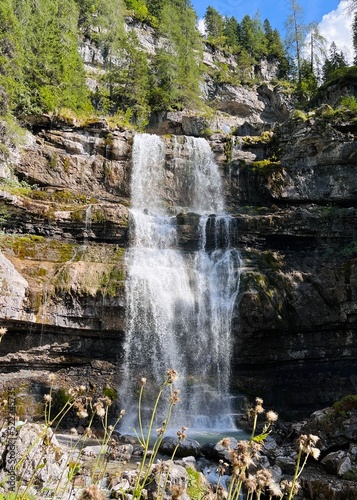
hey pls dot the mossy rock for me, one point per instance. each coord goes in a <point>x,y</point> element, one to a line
<point>345,405</point>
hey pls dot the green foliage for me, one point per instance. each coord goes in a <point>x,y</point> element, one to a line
<point>42,71</point>
<point>334,64</point>
<point>345,111</point>
<point>196,488</point>
<point>110,393</point>
<point>176,69</point>
<point>214,26</point>
<point>345,405</point>
<point>349,102</point>
<point>296,32</point>
<point>299,116</point>
<point>252,38</point>
<point>4,215</point>
<point>39,52</point>
<point>125,84</point>
<point>12,135</point>
<point>307,84</point>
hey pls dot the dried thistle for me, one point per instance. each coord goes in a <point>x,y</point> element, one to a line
<point>172,376</point>
<point>92,493</point>
<point>182,433</point>
<point>174,398</point>
<point>272,416</point>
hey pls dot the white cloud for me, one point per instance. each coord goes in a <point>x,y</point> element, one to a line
<point>336,27</point>
<point>201,26</point>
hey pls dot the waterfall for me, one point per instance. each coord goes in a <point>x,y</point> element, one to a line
<point>180,305</point>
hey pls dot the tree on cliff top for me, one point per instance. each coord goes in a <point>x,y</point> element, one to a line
<point>42,68</point>
<point>296,32</point>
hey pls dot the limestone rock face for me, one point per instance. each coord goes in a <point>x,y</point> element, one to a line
<point>62,261</point>
<point>296,316</point>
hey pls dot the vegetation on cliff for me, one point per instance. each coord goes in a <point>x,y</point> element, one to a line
<point>41,69</point>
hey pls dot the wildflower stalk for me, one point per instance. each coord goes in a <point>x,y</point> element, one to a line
<point>73,466</point>
<point>238,486</point>
<point>254,427</point>
<point>145,444</point>
<point>142,477</point>
<point>143,382</point>
<point>296,474</point>
<point>108,432</point>
<point>181,436</point>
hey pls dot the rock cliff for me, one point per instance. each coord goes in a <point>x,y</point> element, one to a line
<point>64,199</point>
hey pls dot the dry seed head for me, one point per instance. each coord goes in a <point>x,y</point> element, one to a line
<point>272,416</point>
<point>176,491</point>
<point>307,443</point>
<point>174,398</point>
<point>172,375</point>
<point>143,381</point>
<point>225,442</point>
<point>101,412</point>
<point>73,431</point>
<point>242,446</point>
<point>313,439</point>
<point>263,477</point>
<point>315,452</point>
<point>251,483</point>
<point>52,377</point>
<point>274,489</point>
<point>47,398</point>
<point>182,433</point>
<point>255,448</point>
<point>82,413</point>
<point>92,492</point>
<point>3,330</point>
<point>259,409</point>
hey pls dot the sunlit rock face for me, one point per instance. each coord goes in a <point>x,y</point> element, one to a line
<point>64,244</point>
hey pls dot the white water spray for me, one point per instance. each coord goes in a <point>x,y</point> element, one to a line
<point>180,305</point>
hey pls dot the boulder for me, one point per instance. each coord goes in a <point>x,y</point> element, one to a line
<point>188,447</point>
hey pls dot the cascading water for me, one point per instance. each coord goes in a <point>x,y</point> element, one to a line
<point>180,305</point>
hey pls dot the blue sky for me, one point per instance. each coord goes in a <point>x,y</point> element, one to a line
<point>332,15</point>
<point>274,10</point>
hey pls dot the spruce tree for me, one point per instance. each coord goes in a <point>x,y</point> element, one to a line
<point>214,25</point>
<point>354,38</point>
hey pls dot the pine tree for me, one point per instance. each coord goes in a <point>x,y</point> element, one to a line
<point>336,60</point>
<point>214,25</point>
<point>252,37</point>
<point>178,24</point>
<point>230,32</point>
<point>354,38</point>
<point>295,32</point>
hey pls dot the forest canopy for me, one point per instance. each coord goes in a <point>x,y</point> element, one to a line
<point>41,68</point>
